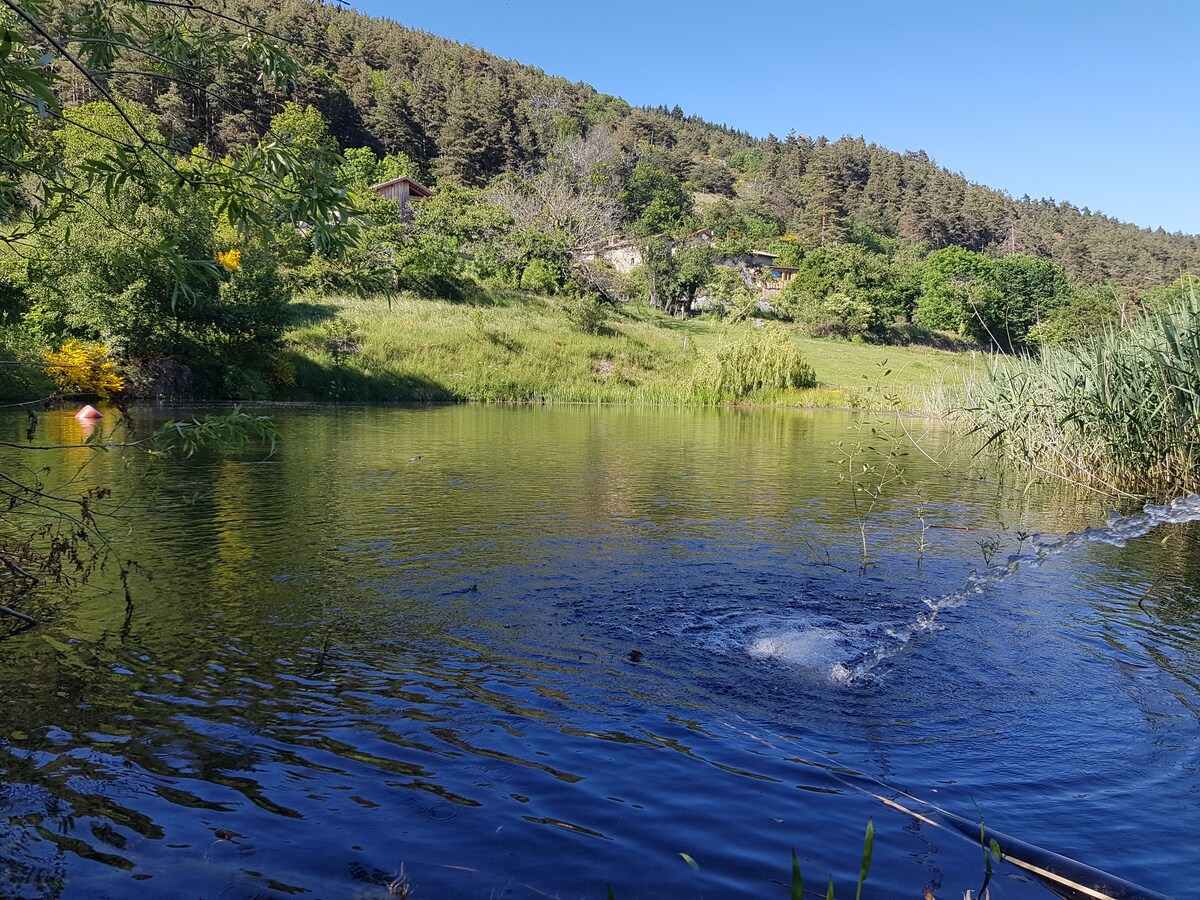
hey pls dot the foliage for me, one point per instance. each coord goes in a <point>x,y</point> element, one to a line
<point>954,283</point>
<point>449,227</point>
<point>728,295</point>
<point>588,314</point>
<point>79,367</point>
<point>991,301</point>
<point>870,464</point>
<point>24,377</point>
<point>1178,291</point>
<point>1085,315</point>
<point>183,438</point>
<point>655,201</point>
<point>693,268</point>
<point>840,315</point>
<point>168,150</point>
<point>737,227</point>
<point>362,168</point>
<point>765,358</point>
<point>416,96</point>
<point>48,54</point>
<point>542,277</point>
<point>156,287</point>
<point>1032,288</point>
<point>1118,413</point>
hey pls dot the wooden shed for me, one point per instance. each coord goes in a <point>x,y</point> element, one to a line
<point>402,190</point>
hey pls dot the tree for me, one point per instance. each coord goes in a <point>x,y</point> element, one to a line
<point>46,55</point>
<point>562,208</point>
<point>1084,314</point>
<point>109,167</point>
<point>842,289</point>
<point>954,284</point>
<point>654,200</point>
<point>1032,289</point>
<point>693,269</point>
<point>363,168</point>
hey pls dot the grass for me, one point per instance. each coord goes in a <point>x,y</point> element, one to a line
<point>511,346</point>
<point>1121,414</point>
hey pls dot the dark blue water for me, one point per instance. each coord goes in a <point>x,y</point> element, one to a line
<point>512,652</point>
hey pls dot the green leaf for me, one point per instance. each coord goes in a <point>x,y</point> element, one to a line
<point>868,850</point>
<point>691,862</point>
<point>829,892</point>
<point>797,879</point>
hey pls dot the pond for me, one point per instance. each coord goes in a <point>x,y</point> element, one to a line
<point>525,652</point>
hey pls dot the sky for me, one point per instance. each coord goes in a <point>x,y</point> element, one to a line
<point>1096,103</point>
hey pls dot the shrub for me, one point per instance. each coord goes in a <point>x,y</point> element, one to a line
<point>588,314</point>
<point>764,359</point>
<point>840,315</point>
<point>542,277</point>
<point>83,368</point>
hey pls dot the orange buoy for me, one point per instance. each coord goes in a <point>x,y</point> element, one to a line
<point>89,412</point>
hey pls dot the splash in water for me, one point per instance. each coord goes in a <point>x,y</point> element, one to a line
<point>1117,532</point>
<point>845,654</point>
<point>810,648</point>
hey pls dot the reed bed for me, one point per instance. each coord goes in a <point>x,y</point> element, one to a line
<point>1121,414</point>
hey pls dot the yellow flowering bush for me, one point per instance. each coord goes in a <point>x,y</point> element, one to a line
<point>79,367</point>
<point>231,259</point>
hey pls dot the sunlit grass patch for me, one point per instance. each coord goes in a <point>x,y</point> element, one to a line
<point>526,348</point>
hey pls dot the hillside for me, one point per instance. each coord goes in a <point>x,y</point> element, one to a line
<point>194,177</point>
<point>464,115</point>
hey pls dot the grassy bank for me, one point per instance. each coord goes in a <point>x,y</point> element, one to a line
<point>519,347</point>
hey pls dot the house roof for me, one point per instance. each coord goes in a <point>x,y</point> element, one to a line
<point>415,188</point>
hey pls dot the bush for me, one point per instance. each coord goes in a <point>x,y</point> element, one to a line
<point>765,359</point>
<point>541,277</point>
<point>77,367</point>
<point>588,314</point>
<point>840,315</point>
<point>1086,315</point>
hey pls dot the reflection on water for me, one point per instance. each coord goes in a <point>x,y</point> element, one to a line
<point>530,652</point>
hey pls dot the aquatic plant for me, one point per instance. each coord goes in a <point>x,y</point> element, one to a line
<point>864,868</point>
<point>1121,415</point>
<point>870,463</point>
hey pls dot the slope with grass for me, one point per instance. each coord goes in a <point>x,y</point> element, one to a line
<point>508,346</point>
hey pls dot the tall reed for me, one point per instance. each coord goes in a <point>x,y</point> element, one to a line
<point>1121,414</point>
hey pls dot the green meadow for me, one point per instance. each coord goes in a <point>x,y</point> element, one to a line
<point>516,347</point>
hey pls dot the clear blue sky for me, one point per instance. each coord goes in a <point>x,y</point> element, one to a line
<point>1094,102</point>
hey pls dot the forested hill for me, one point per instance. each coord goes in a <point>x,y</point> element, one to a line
<point>465,115</point>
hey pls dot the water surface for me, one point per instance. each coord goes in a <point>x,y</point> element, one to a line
<point>547,652</point>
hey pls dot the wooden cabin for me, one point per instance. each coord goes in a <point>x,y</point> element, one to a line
<point>402,190</point>
<point>775,277</point>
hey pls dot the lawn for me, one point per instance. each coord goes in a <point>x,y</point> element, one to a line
<point>511,346</point>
